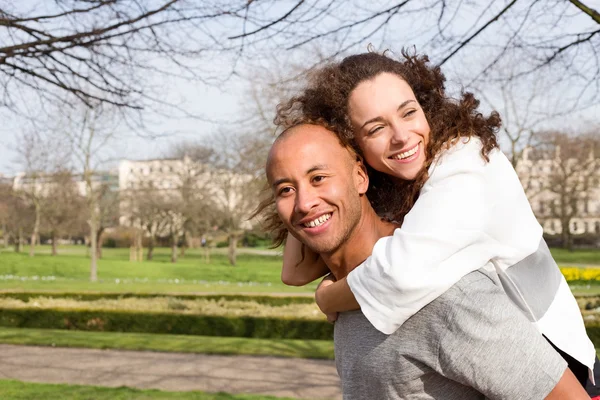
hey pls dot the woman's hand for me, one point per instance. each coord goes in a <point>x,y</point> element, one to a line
<point>328,280</point>
<point>300,264</point>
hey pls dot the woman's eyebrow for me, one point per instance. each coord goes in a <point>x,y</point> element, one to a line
<point>378,119</point>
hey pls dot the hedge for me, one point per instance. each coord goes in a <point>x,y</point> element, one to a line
<point>275,301</point>
<point>173,323</point>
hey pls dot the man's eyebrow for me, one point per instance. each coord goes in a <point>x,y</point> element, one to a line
<point>279,182</point>
<point>317,168</point>
<point>377,119</point>
<point>310,170</point>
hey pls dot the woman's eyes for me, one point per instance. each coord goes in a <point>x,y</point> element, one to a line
<point>375,130</point>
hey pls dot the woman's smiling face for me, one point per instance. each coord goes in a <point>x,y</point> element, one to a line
<point>389,125</point>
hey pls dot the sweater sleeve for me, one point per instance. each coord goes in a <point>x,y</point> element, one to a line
<point>442,239</point>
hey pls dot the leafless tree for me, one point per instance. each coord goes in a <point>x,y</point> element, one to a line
<point>557,36</point>
<point>106,52</point>
<point>193,186</point>
<point>567,169</point>
<point>144,208</point>
<point>40,155</point>
<point>236,183</point>
<point>64,209</point>
<point>88,134</point>
<point>17,216</point>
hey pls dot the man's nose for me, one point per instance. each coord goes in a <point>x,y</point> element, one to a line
<point>306,199</point>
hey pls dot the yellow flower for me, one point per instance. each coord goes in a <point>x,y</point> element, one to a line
<point>581,274</point>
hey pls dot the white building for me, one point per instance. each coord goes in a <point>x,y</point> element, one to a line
<point>41,183</point>
<point>536,176</point>
<point>171,177</point>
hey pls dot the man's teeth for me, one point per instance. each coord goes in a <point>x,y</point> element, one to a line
<point>318,221</point>
<point>406,154</point>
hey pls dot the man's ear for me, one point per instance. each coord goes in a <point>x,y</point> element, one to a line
<point>361,177</point>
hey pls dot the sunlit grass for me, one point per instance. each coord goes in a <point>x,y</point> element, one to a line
<point>322,349</point>
<point>16,390</point>
<point>69,271</point>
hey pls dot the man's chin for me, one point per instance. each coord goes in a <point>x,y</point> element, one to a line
<point>319,247</point>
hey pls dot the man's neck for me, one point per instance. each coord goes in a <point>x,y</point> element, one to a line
<point>360,245</point>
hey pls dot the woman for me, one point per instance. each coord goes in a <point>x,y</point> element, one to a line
<point>435,166</point>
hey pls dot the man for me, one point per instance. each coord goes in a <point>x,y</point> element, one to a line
<point>470,343</point>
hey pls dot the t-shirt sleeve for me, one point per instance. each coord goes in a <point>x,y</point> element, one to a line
<point>441,239</point>
<point>488,344</point>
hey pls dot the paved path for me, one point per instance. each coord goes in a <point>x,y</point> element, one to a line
<point>285,377</point>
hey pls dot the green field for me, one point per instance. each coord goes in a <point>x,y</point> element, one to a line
<point>191,274</point>
<point>15,390</point>
<point>322,349</point>
<point>589,257</point>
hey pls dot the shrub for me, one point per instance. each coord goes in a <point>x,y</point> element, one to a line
<point>264,299</point>
<point>183,324</point>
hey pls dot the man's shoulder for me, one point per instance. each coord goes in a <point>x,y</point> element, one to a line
<point>479,282</point>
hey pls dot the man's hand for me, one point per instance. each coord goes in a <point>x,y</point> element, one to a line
<point>328,280</point>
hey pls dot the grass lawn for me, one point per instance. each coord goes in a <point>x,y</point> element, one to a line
<point>322,349</point>
<point>15,390</point>
<point>70,271</point>
<point>579,256</point>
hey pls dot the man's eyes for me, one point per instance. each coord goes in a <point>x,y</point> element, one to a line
<point>285,190</point>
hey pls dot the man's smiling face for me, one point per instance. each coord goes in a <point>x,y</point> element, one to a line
<point>317,184</point>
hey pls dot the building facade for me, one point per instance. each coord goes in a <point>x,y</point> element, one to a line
<point>563,190</point>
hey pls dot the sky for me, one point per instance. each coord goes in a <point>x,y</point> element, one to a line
<point>227,101</point>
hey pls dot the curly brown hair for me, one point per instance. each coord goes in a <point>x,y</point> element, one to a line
<point>326,98</point>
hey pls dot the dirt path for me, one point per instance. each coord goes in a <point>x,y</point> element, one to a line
<point>285,377</point>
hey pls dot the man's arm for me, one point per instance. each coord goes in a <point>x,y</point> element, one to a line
<point>568,388</point>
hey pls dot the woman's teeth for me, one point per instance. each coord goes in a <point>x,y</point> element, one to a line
<point>406,154</point>
<point>318,221</point>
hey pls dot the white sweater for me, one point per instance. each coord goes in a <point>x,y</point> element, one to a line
<point>470,214</point>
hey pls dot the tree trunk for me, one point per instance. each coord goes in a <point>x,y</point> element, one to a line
<point>6,236</point>
<point>173,248</point>
<point>232,254</point>
<point>132,253</point>
<point>99,238</point>
<point>94,245</point>
<point>139,246</point>
<point>54,247</point>
<point>565,234</point>
<point>36,229</point>
<point>150,248</point>
<point>19,241</point>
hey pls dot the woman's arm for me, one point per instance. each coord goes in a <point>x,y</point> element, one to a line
<point>299,270</point>
<point>336,297</point>
<point>442,239</point>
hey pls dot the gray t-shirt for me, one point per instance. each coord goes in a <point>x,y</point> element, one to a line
<point>469,343</point>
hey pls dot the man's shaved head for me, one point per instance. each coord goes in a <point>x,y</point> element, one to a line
<point>318,184</point>
<point>310,132</point>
